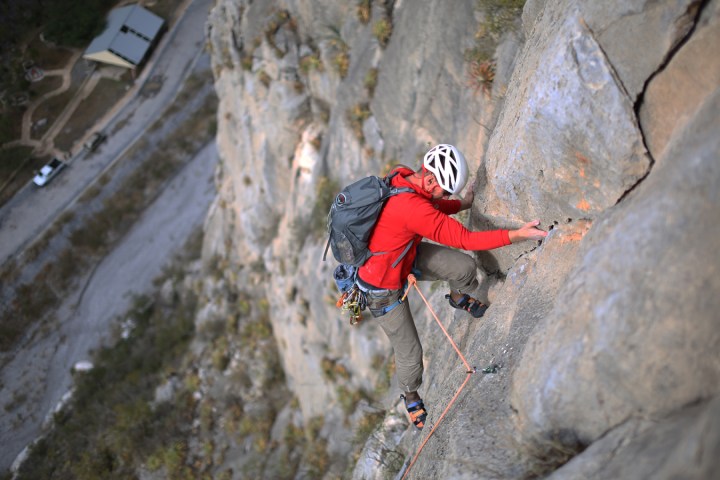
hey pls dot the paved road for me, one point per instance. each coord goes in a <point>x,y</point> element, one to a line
<point>25,216</point>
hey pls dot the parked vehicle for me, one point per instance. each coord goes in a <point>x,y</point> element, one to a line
<point>95,141</point>
<point>49,171</point>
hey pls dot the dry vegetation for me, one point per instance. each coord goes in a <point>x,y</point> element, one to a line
<point>105,95</point>
<point>16,165</point>
<point>499,17</point>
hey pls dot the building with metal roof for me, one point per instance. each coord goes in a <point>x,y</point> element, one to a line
<point>130,34</point>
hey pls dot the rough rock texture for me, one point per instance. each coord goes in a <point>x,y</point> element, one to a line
<point>601,123</point>
<point>567,144</point>
<point>674,447</point>
<point>637,35</point>
<point>674,96</point>
<point>621,323</point>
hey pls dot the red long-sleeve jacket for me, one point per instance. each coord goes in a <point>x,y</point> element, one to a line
<point>414,216</point>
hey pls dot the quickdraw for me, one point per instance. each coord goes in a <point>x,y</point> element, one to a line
<point>353,301</point>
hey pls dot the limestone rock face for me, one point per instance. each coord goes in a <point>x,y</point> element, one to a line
<point>670,448</point>
<point>567,144</point>
<point>620,323</point>
<point>674,95</point>
<point>284,125</point>
<point>602,123</point>
<point>637,36</point>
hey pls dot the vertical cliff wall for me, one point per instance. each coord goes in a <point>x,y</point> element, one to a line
<point>312,97</point>
<point>601,122</point>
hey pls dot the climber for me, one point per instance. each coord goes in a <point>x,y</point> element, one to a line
<point>411,217</point>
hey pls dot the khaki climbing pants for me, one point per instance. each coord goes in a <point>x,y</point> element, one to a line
<point>434,262</point>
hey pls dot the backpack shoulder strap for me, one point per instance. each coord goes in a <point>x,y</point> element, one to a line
<point>327,247</point>
<point>396,190</point>
<point>404,252</point>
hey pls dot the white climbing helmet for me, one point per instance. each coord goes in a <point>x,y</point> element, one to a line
<point>449,167</point>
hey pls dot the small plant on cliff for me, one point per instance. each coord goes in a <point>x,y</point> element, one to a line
<point>246,62</point>
<point>481,75</point>
<point>382,30</point>
<point>371,78</point>
<point>341,51</point>
<point>364,10</point>
<point>278,20</point>
<point>311,63</point>
<point>333,371</point>
<point>264,78</point>
<point>499,16</point>
<point>357,116</point>
<point>341,61</point>
<point>316,457</point>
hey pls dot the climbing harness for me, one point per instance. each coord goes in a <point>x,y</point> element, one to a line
<point>412,281</point>
<point>381,301</point>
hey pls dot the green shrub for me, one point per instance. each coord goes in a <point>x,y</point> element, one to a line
<point>364,10</point>
<point>356,116</point>
<point>246,62</point>
<point>348,398</point>
<point>371,78</point>
<point>341,62</point>
<point>500,16</point>
<point>341,52</point>
<point>315,455</point>
<point>264,78</point>
<point>382,30</point>
<point>311,62</point>
<point>75,24</point>
<point>109,426</point>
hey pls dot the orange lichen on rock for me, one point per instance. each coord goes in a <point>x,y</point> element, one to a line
<point>576,232</point>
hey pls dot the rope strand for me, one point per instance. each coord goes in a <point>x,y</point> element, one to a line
<point>470,370</point>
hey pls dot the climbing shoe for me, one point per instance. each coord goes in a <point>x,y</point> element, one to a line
<point>472,305</point>
<point>416,411</point>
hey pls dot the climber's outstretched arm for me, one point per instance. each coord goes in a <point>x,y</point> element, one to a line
<point>527,232</point>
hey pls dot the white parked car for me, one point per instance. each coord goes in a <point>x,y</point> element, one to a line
<point>49,171</point>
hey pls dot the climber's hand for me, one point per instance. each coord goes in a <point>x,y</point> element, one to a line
<point>529,231</point>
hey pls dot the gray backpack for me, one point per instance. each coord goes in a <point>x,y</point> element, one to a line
<point>352,219</point>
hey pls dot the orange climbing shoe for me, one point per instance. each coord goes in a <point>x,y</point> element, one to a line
<point>416,411</point>
<point>471,305</point>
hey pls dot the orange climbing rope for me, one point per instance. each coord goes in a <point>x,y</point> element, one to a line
<point>470,370</point>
